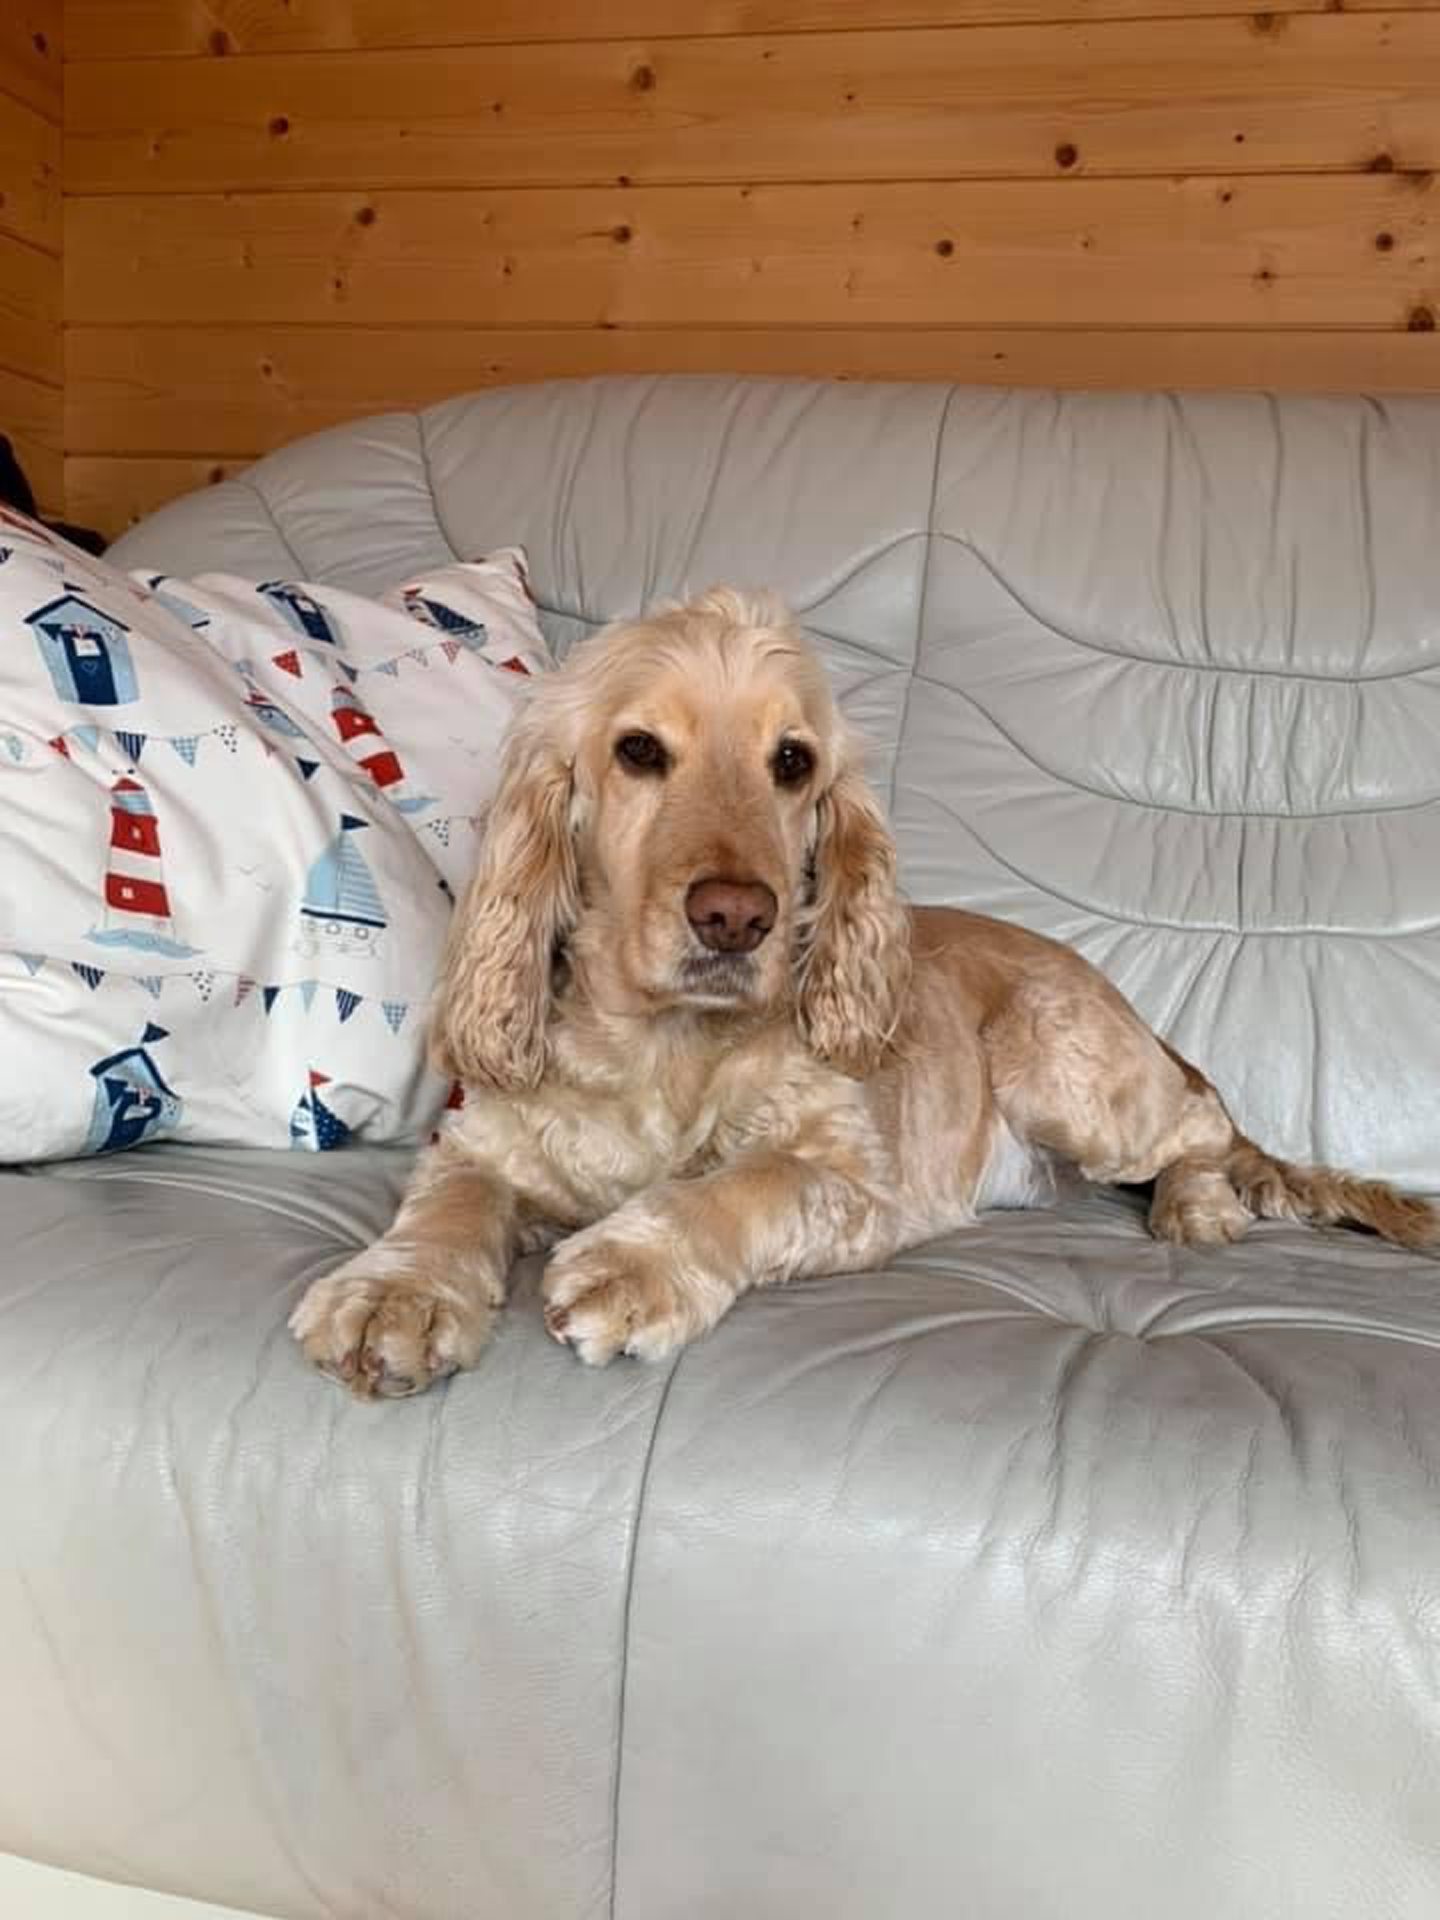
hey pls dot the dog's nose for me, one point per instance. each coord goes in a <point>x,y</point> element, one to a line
<point>730,916</point>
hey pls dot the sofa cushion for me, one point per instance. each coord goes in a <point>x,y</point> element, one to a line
<point>1051,1569</point>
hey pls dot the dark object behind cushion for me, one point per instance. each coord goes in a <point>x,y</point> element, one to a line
<point>16,491</point>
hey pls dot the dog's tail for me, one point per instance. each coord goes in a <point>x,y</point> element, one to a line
<point>1277,1190</point>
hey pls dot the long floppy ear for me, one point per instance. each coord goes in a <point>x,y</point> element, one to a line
<point>855,964</point>
<point>493,997</point>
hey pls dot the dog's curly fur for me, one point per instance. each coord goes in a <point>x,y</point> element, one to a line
<point>689,1124</point>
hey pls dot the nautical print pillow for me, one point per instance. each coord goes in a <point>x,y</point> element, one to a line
<point>223,854</point>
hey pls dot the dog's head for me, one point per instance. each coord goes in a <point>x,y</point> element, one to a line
<point>682,809</point>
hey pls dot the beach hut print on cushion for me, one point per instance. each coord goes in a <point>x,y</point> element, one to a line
<point>314,1126</point>
<point>137,900</point>
<point>133,1103</point>
<point>300,610</point>
<point>342,913</point>
<point>434,613</point>
<point>86,651</point>
<point>269,715</point>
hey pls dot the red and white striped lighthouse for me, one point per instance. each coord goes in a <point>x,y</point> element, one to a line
<point>363,740</point>
<point>135,893</point>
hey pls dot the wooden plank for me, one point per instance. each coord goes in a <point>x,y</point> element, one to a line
<point>29,311</point>
<point>241,391</point>
<point>31,49</point>
<point>1157,96</point>
<point>112,494</point>
<point>30,416</point>
<point>1348,251</point>
<point>29,175</point>
<point>128,29</point>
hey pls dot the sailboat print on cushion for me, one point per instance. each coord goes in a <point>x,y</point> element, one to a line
<point>314,1126</point>
<point>342,913</point>
<point>133,1103</point>
<point>137,900</point>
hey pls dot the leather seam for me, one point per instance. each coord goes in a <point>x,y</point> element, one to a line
<point>922,610</point>
<point>1112,914</point>
<point>423,445</point>
<point>1285,674</point>
<point>278,530</point>
<point>801,612</point>
<point>1074,785</point>
<point>622,1699</point>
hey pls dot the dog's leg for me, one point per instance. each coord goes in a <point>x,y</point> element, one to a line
<point>670,1262</point>
<point>1075,1069</point>
<point>418,1304</point>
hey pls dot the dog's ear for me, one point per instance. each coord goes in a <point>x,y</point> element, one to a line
<point>493,997</point>
<point>855,957</point>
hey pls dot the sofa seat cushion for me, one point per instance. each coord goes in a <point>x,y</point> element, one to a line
<point>923,1580</point>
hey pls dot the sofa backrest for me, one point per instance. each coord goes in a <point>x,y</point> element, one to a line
<point>1159,676</point>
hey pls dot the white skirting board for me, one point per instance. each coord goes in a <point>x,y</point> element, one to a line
<point>45,1893</point>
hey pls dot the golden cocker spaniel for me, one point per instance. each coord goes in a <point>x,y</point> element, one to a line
<point>705,1047</point>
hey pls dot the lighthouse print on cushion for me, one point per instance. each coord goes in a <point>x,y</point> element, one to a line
<point>234,815</point>
<point>137,905</point>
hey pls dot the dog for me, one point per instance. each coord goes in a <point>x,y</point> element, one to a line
<point>705,1046</point>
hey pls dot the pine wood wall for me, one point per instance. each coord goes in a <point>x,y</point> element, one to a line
<point>30,226</point>
<point>281,213</point>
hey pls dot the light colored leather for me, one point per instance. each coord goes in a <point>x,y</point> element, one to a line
<point>1051,1574</point>
<point>32,1892</point>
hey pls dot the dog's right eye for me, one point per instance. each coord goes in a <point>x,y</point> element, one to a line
<point>641,752</point>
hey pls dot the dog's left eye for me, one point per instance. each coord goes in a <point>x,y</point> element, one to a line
<point>793,763</point>
<point>641,752</point>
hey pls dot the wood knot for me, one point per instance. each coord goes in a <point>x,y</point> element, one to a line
<point>279,127</point>
<point>944,248</point>
<point>1421,320</point>
<point>41,43</point>
<point>1384,242</point>
<point>1066,154</point>
<point>365,216</point>
<point>219,43</point>
<point>621,234</point>
<point>1382,163</point>
<point>643,78</point>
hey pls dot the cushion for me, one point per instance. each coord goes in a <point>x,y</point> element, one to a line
<point>234,815</point>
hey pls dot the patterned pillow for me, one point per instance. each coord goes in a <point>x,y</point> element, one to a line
<point>232,818</point>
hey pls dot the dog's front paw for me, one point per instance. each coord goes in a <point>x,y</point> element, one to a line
<point>606,1296</point>
<point>387,1333</point>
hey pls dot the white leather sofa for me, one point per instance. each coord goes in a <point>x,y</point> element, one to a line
<point>1049,1574</point>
